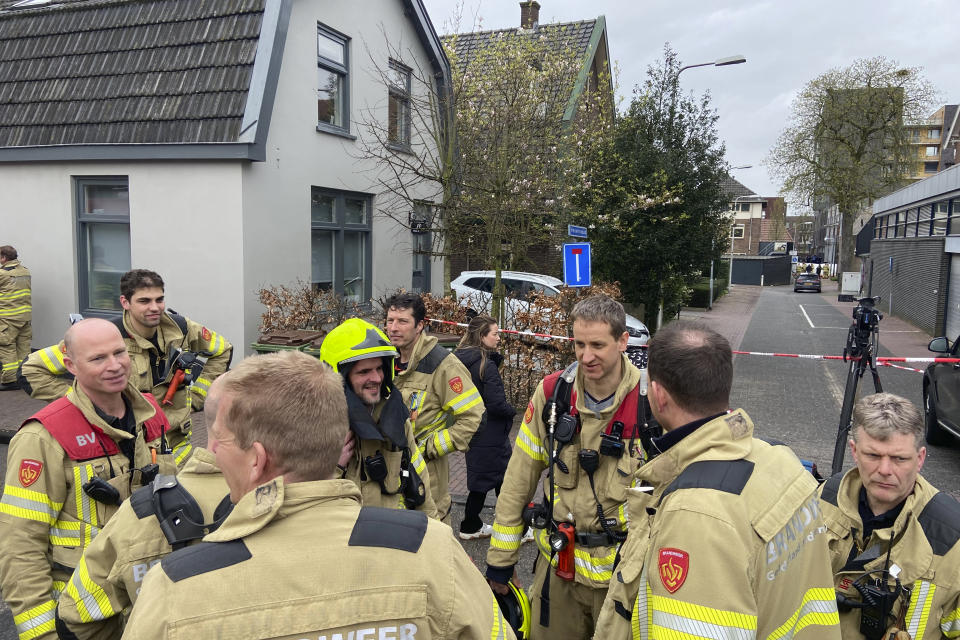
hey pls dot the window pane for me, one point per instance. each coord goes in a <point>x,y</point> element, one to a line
<point>398,118</point>
<point>421,263</point>
<point>108,258</point>
<point>329,103</point>
<point>911,223</point>
<point>321,207</point>
<point>354,276</point>
<point>103,199</point>
<point>322,259</point>
<point>330,48</point>
<point>355,211</point>
<point>932,151</point>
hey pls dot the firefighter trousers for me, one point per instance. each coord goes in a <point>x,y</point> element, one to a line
<point>15,336</point>
<point>574,607</point>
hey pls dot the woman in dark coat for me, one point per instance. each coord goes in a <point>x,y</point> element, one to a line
<point>489,450</point>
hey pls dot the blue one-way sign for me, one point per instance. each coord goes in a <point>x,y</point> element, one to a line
<point>576,264</point>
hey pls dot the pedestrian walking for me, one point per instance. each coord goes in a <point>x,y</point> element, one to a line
<point>490,449</point>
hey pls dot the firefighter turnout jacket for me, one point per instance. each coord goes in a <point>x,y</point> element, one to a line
<point>46,517</point>
<point>574,502</point>
<point>445,409</point>
<point>44,376</point>
<point>734,546</point>
<point>15,315</point>
<point>106,583</point>
<point>925,548</point>
<point>384,573</point>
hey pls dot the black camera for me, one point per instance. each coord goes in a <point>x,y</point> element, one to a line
<point>611,444</point>
<point>536,515</point>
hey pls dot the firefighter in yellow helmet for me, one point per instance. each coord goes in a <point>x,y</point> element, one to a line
<point>380,453</point>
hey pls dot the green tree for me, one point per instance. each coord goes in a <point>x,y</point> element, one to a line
<point>848,141</point>
<point>651,193</point>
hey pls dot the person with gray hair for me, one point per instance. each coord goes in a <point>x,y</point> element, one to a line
<point>893,536</point>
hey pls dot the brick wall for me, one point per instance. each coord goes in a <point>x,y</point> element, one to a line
<point>917,285</point>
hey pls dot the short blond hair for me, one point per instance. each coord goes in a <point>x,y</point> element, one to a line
<point>292,404</point>
<point>882,414</point>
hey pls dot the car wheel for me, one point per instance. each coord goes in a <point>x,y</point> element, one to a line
<point>935,434</point>
<point>795,290</point>
<point>818,290</point>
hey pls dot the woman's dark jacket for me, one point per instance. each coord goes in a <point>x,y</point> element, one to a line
<point>489,450</point>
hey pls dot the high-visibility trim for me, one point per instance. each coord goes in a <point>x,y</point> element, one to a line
<point>497,630</point>
<point>59,586</point>
<point>182,451</point>
<point>950,624</point>
<point>506,538</point>
<point>442,443</point>
<point>818,607</point>
<point>595,568</point>
<point>13,295</point>
<point>15,311</point>
<point>217,344</point>
<point>200,387</point>
<point>86,508</point>
<point>531,444</point>
<point>29,505</point>
<point>417,461</point>
<point>52,357</point>
<point>679,619</point>
<point>462,402</point>
<point>37,621</point>
<point>72,533</point>
<point>642,617</point>
<point>622,516</point>
<point>11,366</point>
<point>919,610</point>
<point>90,599</point>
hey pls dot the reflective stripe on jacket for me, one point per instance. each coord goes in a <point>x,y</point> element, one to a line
<point>925,536</point>
<point>14,292</point>
<point>729,544</point>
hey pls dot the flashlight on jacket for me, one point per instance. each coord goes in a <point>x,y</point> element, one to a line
<point>561,542</point>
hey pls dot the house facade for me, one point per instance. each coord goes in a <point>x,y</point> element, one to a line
<point>217,143</point>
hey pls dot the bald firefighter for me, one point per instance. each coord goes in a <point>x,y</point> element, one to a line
<point>15,315</point>
<point>445,407</point>
<point>727,539</point>
<point>166,350</point>
<point>68,469</point>
<point>169,514</point>
<point>599,413</point>
<point>383,573</point>
<point>380,453</point>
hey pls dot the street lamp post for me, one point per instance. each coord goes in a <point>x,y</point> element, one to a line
<point>719,62</point>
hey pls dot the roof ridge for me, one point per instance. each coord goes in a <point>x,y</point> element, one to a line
<point>516,29</point>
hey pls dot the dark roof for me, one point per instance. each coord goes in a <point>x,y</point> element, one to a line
<point>734,189</point>
<point>561,35</point>
<point>80,72</point>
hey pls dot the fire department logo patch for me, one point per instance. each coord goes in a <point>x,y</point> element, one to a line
<point>456,384</point>
<point>30,471</point>
<point>206,334</point>
<point>528,416</point>
<point>674,565</point>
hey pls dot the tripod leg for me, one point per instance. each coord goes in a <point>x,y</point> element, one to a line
<point>857,368</point>
<point>876,376</point>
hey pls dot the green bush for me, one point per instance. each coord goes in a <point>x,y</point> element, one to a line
<point>701,292</point>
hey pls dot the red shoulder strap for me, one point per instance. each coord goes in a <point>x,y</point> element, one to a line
<point>70,428</point>
<point>158,424</point>
<point>627,414</point>
<point>550,383</point>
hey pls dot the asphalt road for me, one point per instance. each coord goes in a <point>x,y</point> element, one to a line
<point>792,400</point>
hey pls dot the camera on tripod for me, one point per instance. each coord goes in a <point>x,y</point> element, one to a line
<point>866,320</point>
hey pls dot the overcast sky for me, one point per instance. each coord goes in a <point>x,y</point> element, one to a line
<point>786,43</point>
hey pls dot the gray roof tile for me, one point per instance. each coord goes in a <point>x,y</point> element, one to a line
<point>125,71</point>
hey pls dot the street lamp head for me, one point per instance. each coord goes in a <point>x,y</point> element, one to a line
<point>722,62</point>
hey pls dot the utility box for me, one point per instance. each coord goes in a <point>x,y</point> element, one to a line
<point>850,283</point>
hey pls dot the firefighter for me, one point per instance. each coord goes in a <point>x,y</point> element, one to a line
<point>298,557</point>
<point>15,314</point>
<point>68,469</point>
<point>597,414</point>
<point>445,407</point>
<point>893,536</point>
<point>380,453</point>
<point>153,336</point>
<point>157,519</point>
<point>728,540</point>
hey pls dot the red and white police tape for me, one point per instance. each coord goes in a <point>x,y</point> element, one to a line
<point>886,361</point>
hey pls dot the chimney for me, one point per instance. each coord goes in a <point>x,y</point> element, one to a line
<point>529,14</point>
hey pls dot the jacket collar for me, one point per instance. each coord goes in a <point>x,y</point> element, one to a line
<point>631,376</point>
<point>387,422</point>
<point>727,437</point>
<point>167,332</point>
<point>142,409</point>
<point>201,462</point>
<point>276,499</point>
<point>422,347</point>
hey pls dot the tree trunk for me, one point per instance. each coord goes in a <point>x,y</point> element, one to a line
<point>848,244</point>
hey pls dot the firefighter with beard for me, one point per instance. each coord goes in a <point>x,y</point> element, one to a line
<point>380,453</point>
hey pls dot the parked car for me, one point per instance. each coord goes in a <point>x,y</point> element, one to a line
<point>941,394</point>
<point>474,289</point>
<point>807,282</point>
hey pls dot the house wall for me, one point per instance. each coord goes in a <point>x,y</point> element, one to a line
<point>276,193</point>
<point>916,288</point>
<point>181,214</point>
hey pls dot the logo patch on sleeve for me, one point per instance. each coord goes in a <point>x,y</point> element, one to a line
<point>528,415</point>
<point>674,565</point>
<point>30,471</point>
<point>456,384</point>
<point>206,334</point>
